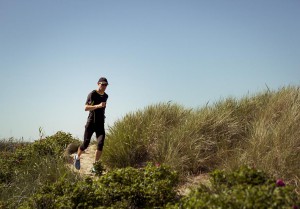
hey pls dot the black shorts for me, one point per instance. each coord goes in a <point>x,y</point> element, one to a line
<point>90,128</point>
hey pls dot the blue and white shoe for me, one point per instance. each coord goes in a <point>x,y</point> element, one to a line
<point>76,162</point>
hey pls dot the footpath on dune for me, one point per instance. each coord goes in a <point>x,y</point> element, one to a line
<point>86,161</point>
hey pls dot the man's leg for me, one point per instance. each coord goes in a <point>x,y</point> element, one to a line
<point>88,132</point>
<point>97,155</point>
<point>79,152</point>
<point>86,141</point>
<point>100,134</point>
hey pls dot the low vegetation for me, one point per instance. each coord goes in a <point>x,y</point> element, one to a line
<point>25,167</point>
<point>122,188</point>
<point>243,188</point>
<point>244,144</point>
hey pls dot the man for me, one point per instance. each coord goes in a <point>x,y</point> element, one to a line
<point>95,103</point>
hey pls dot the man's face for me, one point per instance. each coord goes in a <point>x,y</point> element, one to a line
<point>102,85</point>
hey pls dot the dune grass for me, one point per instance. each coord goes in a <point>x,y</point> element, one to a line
<point>274,143</point>
<point>260,130</point>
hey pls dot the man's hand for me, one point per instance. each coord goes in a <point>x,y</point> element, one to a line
<point>101,105</point>
<point>93,107</point>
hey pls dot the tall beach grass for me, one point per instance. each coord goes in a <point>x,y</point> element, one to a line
<point>260,130</point>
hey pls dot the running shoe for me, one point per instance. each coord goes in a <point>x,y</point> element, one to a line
<point>76,162</point>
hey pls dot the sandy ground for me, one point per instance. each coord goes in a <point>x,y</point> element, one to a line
<point>193,182</point>
<point>86,161</point>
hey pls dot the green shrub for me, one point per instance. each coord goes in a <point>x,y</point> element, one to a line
<point>243,188</point>
<point>8,162</point>
<point>151,186</point>
<point>243,175</point>
<point>5,173</point>
<point>28,166</point>
<point>128,187</point>
<point>53,145</point>
<point>99,168</point>
<point>11,144</point>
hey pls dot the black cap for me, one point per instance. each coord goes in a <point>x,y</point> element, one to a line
<point>102,79</point>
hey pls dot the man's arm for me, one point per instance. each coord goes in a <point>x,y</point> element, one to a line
<point>94,107</point>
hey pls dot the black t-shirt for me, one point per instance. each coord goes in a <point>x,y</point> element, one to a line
<point>98,115</point>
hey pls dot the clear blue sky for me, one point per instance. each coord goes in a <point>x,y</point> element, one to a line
<point>191,51</point>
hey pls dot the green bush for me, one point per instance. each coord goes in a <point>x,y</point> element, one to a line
<point>11,144</point>
<point>5,173</point>
<point>152,186</point>
<point>243,175</point>
<point>8,162</point>
<point>53,145</point>
<point>26,167</point>
<point>243,188</point>
<point>99,168</point>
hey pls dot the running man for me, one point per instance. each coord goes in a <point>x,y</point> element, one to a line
<point>95,103</point>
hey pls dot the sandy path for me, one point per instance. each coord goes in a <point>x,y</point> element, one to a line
<point>86,160</point>
<point>193,182</point>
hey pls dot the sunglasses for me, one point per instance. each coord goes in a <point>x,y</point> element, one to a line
<point>104,84</point>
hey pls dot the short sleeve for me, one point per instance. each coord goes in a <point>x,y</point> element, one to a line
<point>89,100</point>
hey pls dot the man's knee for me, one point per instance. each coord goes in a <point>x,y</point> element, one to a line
<point>100,146</point>
<point>84,145</point>
<point>100,140</point>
